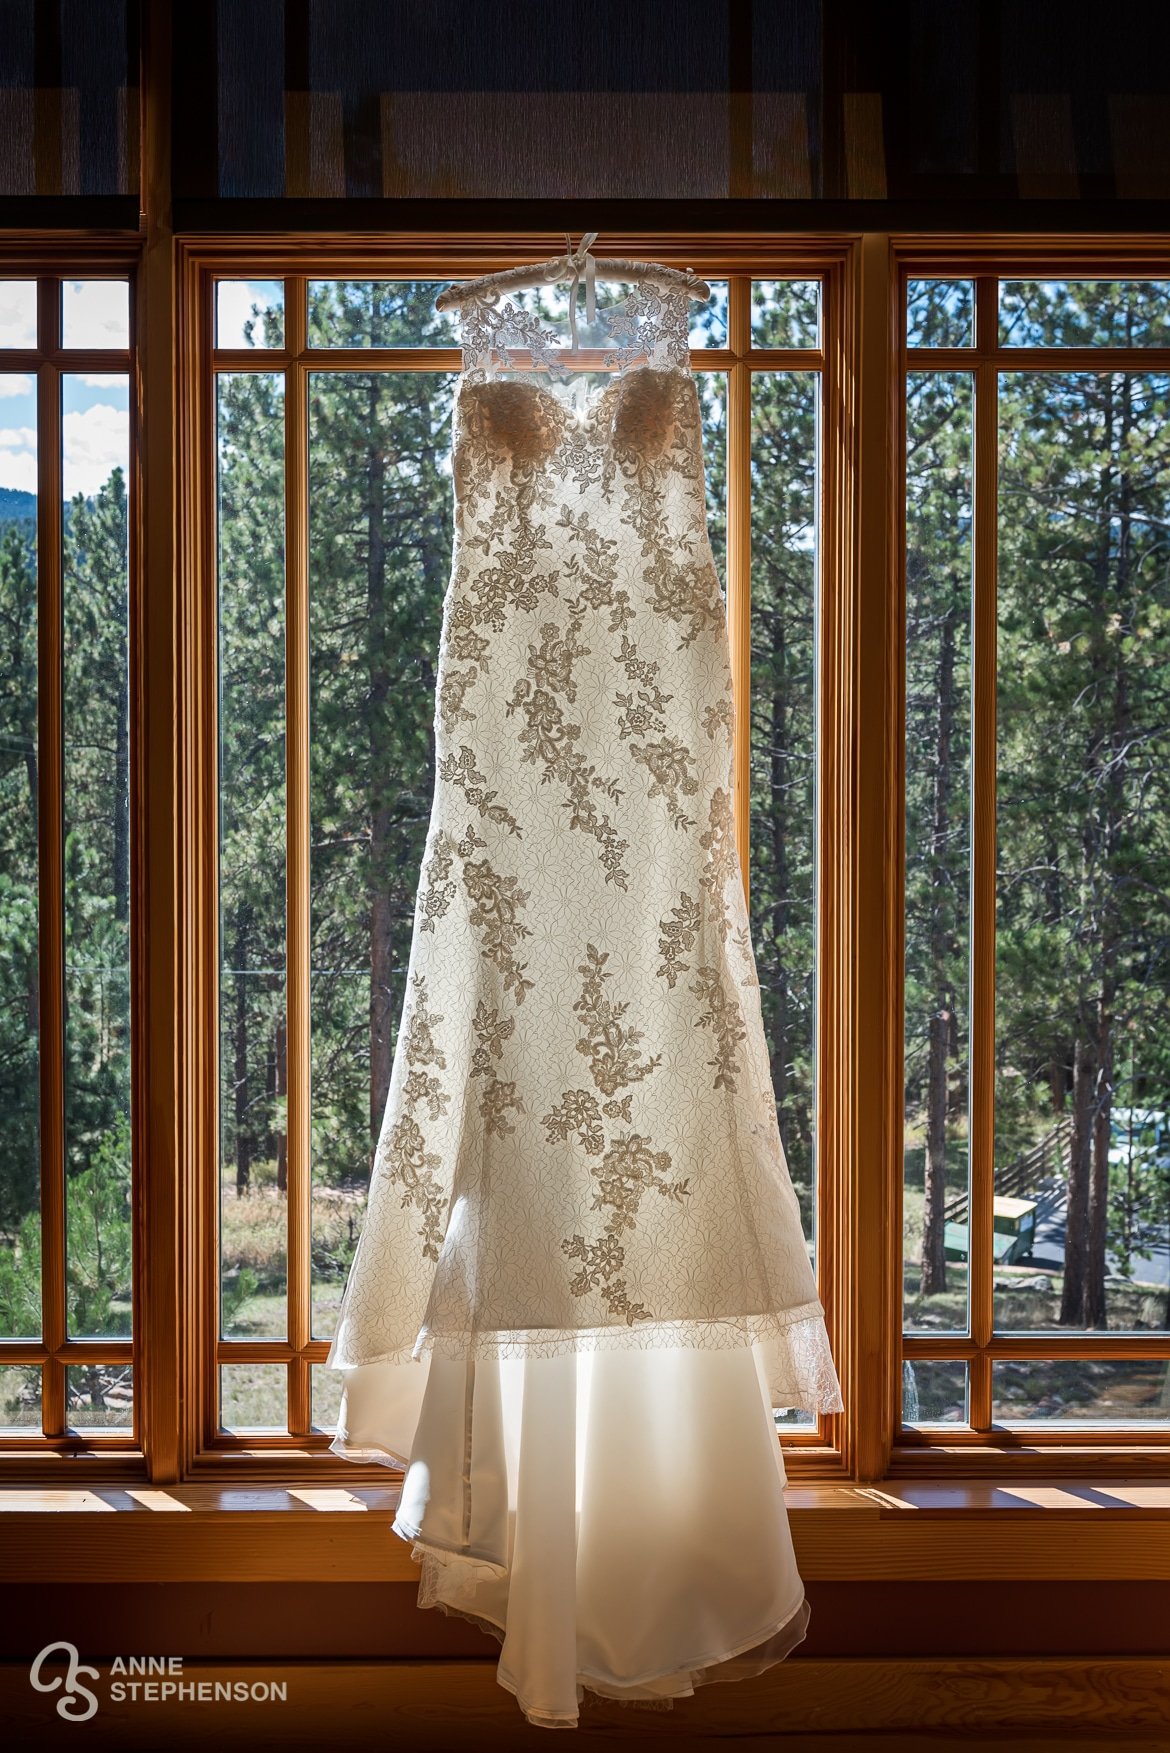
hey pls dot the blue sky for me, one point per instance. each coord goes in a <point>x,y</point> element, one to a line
<point>95,406</point>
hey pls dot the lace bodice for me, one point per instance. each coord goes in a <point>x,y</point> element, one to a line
<point>650,324</point>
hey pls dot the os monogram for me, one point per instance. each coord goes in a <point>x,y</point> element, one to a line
<point>69,1705</point>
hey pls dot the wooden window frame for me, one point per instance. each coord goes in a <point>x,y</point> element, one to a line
<point>982,1448</point>
<point>201,264</point>
<point>50,263</point>
<point>860,852</point>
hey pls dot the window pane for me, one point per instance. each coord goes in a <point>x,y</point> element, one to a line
<point>95,422</point>
<point>327,1385</point>
<point>934,1392</point>
<point>95,313</point>
<point>1084,313</point>
<point>253,1396</point>
<point>249,313</point>
<point>786,313</point>
<point>784,467</point>
<point>940,313</point>
<point>253,1060</point>
<point>939,431</point>
<point>18,314</point>
<point>712,390</point>
<point>709,321</point>
<point>99,1396</point>
<point>1083,945</point>
<point>1095,1391</point>
<point>379,313</point>
<point>20,1398</point>
<point>20,1236</point>
<point>380,538</point>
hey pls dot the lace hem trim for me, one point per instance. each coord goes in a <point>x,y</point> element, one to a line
<point>359,1452</point>
<point>798,1361</point>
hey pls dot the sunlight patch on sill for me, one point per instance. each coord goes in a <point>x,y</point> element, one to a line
<point>324,1499</point>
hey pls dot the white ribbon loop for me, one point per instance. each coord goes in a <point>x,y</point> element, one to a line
<point>582,260</point>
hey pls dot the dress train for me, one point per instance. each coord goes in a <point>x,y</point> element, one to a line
<point>615,1518</point>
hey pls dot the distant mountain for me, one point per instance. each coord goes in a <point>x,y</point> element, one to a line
<point>14,503</point>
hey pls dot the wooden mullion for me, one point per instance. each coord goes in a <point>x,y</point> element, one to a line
<point>166,1022</point>
<point>268,359</point>
<point>74,1351</point>
<point>983,853</point>
<point>298,926</point>
<point>50,849</point>
<point>786,358</point>
<point>835,606</point>
<point>75,359</point>
<point>871,1228</point>
<point>256,1351</point>
<point>201,585</point>
<point>1057,1344</point>
<point>1041,358</point>
<point>739,555</point>
<point>895,908</point>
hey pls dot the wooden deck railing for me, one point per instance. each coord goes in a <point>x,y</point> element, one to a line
<point>1050,1155</point>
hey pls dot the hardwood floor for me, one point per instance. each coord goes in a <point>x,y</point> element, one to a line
<point>829,1706</point>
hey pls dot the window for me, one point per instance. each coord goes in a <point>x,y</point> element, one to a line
<point>1037,876</point>
<point>332,401</point>
<point>938,492</point>
<point>67,856</point>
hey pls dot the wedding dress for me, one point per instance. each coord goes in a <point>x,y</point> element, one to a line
<point>582,1283</point>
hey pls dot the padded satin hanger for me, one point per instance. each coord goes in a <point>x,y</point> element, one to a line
<point>569,268</point>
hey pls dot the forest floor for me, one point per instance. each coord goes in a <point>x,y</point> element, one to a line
<point>1027,1300</point>
<point>254,1240</point>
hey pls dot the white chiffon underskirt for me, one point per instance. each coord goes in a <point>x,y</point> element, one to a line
<point>616,1518</point>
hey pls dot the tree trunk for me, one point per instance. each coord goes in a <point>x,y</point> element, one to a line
<point>32,965</point>
<point>1058,1085</point>
<point>1112,758</point>
<point>1095,1313</point>
<point>934,1263</point>
<point>243,1141</point>
<point>934,1260</point>
<point>778,816</point>
<point>121,871</point>
<point>377,645</point>
<point>1076,1238</point>
<point>281,1057</point>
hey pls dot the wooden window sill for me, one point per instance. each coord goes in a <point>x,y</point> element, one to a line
<point>962,1530</point>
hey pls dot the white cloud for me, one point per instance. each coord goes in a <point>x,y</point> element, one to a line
<point>13,384</point>
<point>102,380</point>
<point>94,442</point>
<point>94,313</point>
<point>234,308</point>
<point>18,313</point>
<point>18,458</point>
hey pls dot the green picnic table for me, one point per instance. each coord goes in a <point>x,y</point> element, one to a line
<point>1012,1237</point>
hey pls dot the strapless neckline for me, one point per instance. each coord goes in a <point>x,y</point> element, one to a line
<point>594,403</point>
